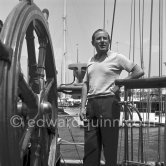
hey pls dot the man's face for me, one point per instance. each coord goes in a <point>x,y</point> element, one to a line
<point>101,42</point>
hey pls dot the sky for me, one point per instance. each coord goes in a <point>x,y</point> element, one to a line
<point>85,16</point>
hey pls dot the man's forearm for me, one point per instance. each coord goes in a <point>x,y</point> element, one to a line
<point>84,95</point>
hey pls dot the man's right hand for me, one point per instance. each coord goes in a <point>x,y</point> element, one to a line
<point>82,114</point>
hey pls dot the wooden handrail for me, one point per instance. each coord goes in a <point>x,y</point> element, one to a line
<point>158,82</point>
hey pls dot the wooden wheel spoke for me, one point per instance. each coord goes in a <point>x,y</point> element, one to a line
<point>42,56</point>
<point>26,93</point>
<point>46,93</point>
<point>32,64</point>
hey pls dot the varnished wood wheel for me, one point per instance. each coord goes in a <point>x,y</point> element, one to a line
<point>28,90</point>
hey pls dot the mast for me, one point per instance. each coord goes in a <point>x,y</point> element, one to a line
<point>104,16</point>
<point>63,74</point>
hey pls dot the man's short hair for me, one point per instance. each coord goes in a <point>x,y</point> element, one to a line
<point>99,30</point>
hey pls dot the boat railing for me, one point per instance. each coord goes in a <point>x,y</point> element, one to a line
<point>129,85</point>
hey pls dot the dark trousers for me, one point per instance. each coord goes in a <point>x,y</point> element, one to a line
<point>101,130</point>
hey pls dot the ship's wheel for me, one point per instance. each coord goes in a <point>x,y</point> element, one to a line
<point>28,90</point>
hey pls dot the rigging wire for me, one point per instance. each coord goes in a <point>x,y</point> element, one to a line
<point>150,43</point>
<point>142,142</point>
<point>149,72</point>
<point>134,33</point>
<point>160,72</point>
<point>141,32</point>
<point>140,150</point>
<point>113,23</point>
<point>131,28</point>
<point>132,19</point>
<point>159,129</point>
<point>143,151</point>
<point>160,36</point>
<point>142,57</point>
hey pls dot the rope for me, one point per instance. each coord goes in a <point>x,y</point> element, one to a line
<point>112,23</point>
<point>71,143</point>
<point>74,142</point>
<point>63,159</point>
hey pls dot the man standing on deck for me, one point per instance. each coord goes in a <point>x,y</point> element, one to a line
<point>102,113</point>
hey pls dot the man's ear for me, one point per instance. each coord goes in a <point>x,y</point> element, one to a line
<point>92,43</point>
